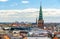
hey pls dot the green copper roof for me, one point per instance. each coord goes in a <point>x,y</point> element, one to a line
<point>40,14</point>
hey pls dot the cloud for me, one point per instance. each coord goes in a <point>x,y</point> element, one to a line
<point>30,14</point>
<point>25,2</point>
<point>3,0</point>
<point>51,12</point>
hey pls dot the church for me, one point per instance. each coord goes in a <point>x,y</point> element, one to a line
<point>40,20</point>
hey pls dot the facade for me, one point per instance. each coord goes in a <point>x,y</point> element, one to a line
<point>58,28</point>
<point>41,21</point>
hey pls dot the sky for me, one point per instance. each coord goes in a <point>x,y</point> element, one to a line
<point>28,10</point>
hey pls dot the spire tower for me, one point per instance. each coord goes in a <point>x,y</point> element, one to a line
<point>40,13</point>
<point>40,20</point>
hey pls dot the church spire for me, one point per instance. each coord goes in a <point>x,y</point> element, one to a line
<point>40,20</point>
<point>40,13</point>
<point>36,20</point>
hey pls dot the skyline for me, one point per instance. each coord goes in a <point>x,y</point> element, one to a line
<point>28,10</point>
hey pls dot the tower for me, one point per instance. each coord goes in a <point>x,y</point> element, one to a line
<point>40,20</point>
<point>36,21</point>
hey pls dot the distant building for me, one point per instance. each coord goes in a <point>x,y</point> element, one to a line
<point>15,24</point>
<point>58,28</point>
<point>34,25</point>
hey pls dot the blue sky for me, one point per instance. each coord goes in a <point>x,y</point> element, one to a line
<point>21,4</point>
<point>28,10</point>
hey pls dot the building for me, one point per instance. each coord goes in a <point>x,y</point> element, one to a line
<point>40,20</point>
<point>58,28</point>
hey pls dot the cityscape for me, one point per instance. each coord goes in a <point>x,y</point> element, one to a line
<point>29,23</point>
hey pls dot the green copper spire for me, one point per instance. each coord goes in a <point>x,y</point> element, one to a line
<point>40,14</point>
